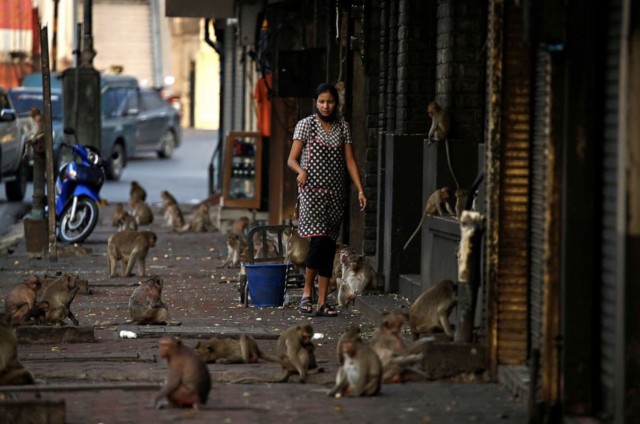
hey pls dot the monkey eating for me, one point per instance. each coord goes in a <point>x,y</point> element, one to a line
<point>359,278</point>
<point>295,352</point>
<point>145,304</point>
<point>123,219</point>
<point>361,370</point>
<point>231,351</point>
<point>58,296</point>
<point>430,311</point>
<point>188,382</point>
<point>200,221</point>
<point>173,218</point>
<point>434,204</point>
<point>237,251</point>
<point>11,370</point>
<point>129,247</point>
<point>20,301</point>
<point>142,213</point>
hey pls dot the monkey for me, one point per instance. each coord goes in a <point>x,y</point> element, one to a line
<point>38,313</point>
<point>145,304</point>
<point>83,285</point>
<point>434,204</point>
<point>259,250</point>
<point>59,295</point>
<point>341,89</point>
<point>35,133</point>
<point>337,269</point>
<point>129,247</point>
<point>296,247</point>
<point>461,200</point>
<point>173,218</point>
<point>21,300</point>
<point>296,352</point>
<point>396,356</point>
<point>240,225</point>
<point>141,212</point>
<point>361,370</point>
<point>232,351</point>
<point>117,213</point>
<point>439,130</point>
<point>188,382</point>
<point>200,220</point>
<point>431,310</point>
<point>237,251</point>
<point>167,199</point>
<point>360,278</point>
<point>11,370</point>
<point>137,192</point>
<point>351,333</point>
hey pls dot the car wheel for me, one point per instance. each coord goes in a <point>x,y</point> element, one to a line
<point>168,145</point>
<point>16,189</point>
<point>116,163</point>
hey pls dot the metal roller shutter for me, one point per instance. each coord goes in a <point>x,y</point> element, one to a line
<point>122,36</point>
<point>609,202</point>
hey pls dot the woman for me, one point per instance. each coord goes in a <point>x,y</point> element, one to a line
<point>320,154</point>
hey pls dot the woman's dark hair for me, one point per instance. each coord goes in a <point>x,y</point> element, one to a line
<point>327,88</point>
<point>323,88</point>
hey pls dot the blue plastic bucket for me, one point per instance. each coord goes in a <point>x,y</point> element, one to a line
<point>266,283</point>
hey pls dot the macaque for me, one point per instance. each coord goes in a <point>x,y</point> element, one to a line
<point>430,311</point>
<point>137,192</point>
<point>237,251</point>
<point>21,300</point>
<point>341,89</point>
<point>240,225</point>
<point>231,351</point>
<point>129,247</point>
<point>141,212</point>
<point>117,213</point>
<point>361,370</point>
<point>337,269</point>
<point>145,304</point>
<point>122,219</point>
<point>434,204</point>
<point>173,218</point>
<point>83,285</point>
<point>59,295</point>
<point>358,279</point>
<point>167,199</point>
<point>264,247</point>
<point>396,356</point>
<point>38,314</point>
<point>296,351</point>
<point>351,333</point>
<point>200,221</point>
<point>461,200</point>
<point>296,248</point>
<point>188,383</point>
<point>11,370</point>
<point>439,122</point>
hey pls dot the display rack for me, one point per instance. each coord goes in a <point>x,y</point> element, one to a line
<point>242,170</point>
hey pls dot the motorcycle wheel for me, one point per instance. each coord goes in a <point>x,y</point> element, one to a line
<point>76,231</point>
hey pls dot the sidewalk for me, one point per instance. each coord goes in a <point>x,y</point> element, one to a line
<point>206,302</point>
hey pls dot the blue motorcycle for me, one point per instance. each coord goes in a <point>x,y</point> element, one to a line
<point>78,192</point>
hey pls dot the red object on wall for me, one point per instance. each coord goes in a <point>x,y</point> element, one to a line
<point>19,41</point>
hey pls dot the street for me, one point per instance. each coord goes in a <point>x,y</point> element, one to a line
<point>114,379</point>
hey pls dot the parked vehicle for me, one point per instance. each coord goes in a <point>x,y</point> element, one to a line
<point>158,125</point>
<point>23,99</point>
<point>78,193</point>
<point>14,169</point>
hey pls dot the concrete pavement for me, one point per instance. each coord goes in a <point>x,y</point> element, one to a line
<point>205,300</point>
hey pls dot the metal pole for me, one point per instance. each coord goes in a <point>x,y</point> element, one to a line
<point>54,39</point>
<point>48,139</point>
<point>88,53</point>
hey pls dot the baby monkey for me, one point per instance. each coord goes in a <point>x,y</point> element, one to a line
<point>361,370</point>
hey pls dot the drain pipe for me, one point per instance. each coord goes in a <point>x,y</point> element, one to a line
<point>217,153</point>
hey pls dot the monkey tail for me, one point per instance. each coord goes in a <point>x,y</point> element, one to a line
<point>267,357</point>
<point>416,230</point>
<point>453,175</point>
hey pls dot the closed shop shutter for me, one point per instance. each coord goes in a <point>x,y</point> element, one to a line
<point>122,37</point>
<point>609,202</point>
<point>539,201</point>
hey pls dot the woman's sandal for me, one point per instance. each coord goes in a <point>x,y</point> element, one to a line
<point>306,307</point>
<point>326,311</point>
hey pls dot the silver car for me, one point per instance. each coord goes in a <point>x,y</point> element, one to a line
<point>158,125</point>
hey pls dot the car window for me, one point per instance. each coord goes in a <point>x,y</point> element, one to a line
<point>151,100</point>
<point>23,101</point>
<point>116,101</point>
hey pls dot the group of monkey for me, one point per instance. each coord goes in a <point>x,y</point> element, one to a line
<point>364,366</point>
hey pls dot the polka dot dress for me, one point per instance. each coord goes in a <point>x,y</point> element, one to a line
<point>323,198</point>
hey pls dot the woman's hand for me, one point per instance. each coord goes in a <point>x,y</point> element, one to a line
<point>302,178</point>
<point>362,199</point>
